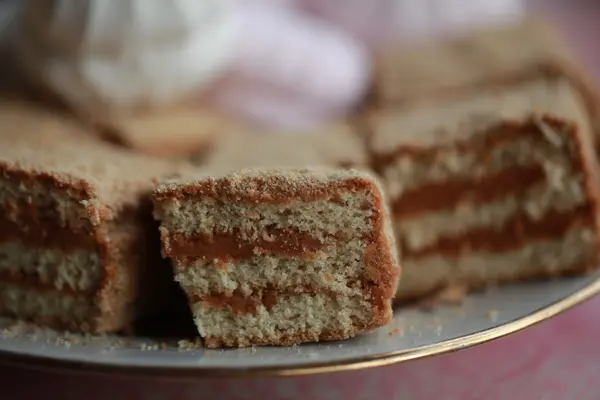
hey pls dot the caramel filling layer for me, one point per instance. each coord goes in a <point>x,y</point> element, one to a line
<point>239,303</point>
<point>232,246</point>
<point>438,196</point>
<point>501,132</point>
<point>517,232</point>
<point>34,231</point>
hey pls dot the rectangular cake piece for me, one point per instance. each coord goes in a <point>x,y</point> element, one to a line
<point>279,257</point>
<point>432,68</point>
<point>336,145</point>
<point>76,227</point>
<point>485,190</point>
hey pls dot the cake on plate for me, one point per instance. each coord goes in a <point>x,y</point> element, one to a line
<point>79,249</point>
<point>497,186</point>
<point>279,257</point>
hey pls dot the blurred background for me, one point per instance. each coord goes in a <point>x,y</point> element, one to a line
<point>375,22</point>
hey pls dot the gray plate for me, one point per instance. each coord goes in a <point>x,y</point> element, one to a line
<point>414,333</point>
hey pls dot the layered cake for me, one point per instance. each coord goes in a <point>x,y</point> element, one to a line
<point>334,146</point>
<point>76,228</point>
<point>280,257</point>
<point>484,189</point>
<point>431,68</point>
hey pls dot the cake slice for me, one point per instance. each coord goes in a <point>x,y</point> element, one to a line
<point>335,146</point>
<point>487,189</point>
<point>447,65</point>
<point>279,257</point>
<point>76,229</point>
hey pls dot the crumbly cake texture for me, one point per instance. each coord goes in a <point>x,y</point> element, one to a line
<point>338,145</point>
<point>76,231</point>
<point>405,73</point>
<point>478,201</point>
<point>279,257</point>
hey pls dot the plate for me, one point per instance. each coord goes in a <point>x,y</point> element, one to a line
<point>414,333</point>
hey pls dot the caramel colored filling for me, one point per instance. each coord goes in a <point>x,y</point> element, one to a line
<point>249,304</point>
<point>232,246</point>
<point>35,231</point>
<point>516,233</point>
<point>437,196</point>
<point>498,133</point>
<point>239,303</point>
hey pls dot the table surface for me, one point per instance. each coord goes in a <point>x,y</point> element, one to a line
<point>558,359</point>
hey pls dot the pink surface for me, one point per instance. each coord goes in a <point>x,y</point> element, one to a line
<point>558,359</point>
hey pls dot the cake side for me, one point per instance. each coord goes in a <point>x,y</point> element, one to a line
<point>248,253</point>
<point>556,86</point>
<point>73,237</point>
<point>446,119</point>
<point>50,262</point>
<point>521,203</point>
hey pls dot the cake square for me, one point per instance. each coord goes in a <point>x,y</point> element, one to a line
<point>432,68</point>
<point>76,227</point>
<point>338,145</point>
<point>497,186</point>
<point>279,257</point>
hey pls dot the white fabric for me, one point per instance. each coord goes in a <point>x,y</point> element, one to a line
<point>127,53</point>
<point>292,71</point>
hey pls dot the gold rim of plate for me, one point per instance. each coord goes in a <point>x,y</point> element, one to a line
<point>380,360</point>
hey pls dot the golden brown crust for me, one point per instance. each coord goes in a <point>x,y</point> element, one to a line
<point>271,186</point>
<point>381,266</point>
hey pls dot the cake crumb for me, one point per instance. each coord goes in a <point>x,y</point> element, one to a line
<point>453,294</point>
<point>149,347</point>
<point>492,315</point>
<point>187,345</point>
<point>395,331</point>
